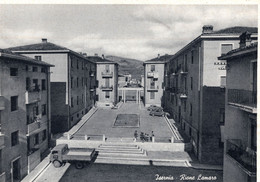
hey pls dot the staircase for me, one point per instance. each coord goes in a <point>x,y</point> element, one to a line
<point>117,153</point>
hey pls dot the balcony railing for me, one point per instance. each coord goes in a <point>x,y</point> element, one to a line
<point>107,74</point>
<point>2,103</point>
<point>32,97</point>
<point>106,88</point>
<point>242,97</point>
<point>153,88</point>
<point>184,70</point>
<point>153,75</point>
<point>2,177</point>
<point>246,159</point>
<point>35,88</point>
<point>92,73</point>
<point>33,124</point>
<point>183,93</point>
<point>2,140</point>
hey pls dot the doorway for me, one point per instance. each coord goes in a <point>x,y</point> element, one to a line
<point>15,168</point>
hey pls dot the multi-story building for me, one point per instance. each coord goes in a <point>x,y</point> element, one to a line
<point>241,112</point>
<point>195,89</point>
<point>154,80</point>
<point>107,81</point>
<point>25,114</point>
<point>71,93</point>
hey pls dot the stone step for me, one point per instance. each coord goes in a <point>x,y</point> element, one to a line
<point>140,161</point>
<point>118,146</point>
<point>121,151</point>
<point>120,154</point>
<point>118,149</point>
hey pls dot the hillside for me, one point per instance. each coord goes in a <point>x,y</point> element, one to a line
<point>128,66</point>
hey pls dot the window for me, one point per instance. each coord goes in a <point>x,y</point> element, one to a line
<point>35,85</point>
<point>77,82</point>
<point>39,58</point>
<point>222,116</point>
<point>35,110</point>
<point>71,81</point>
<point>152,67</point>
<point>152,95</point>
<point>192,57</point>
<point>82,81</point>
<point>71,119</point>
<point>72,102</point>
<point>77,115</point>
<point>184,105</point>
<point>28,84</point>
<point>77,100</point>
<point>107,68</point>
<point>77,64</point>
<point>97,97</point>
<point>35,69</point>
<point>43,70</point>
<point>220,143</point>
<point>223,81</point>
<point>44,109</point>
<point>15,138</point>
<point>14,103</point>
<point>190,131</point>
<point>225,48</point>
<point>27,68</point>
<point>107,95</point>
<point>13,71</point>
<point>71,63</point>
<point>152,84</point>
<point>190,109</point>
<point>44,135</point>
<point>43,84</point>
<point>36,139</point>
<point>253,136</point>
<point>82,65</point>
<point>191,83</point>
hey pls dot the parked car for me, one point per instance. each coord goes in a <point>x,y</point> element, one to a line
<point>152,107</point>
<point>78,156</point>
<point>157,112</point>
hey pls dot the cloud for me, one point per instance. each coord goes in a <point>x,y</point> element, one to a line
<point>11,37</point>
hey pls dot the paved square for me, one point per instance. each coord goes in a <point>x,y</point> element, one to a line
<point>127,120</point>
<point>102,122</point>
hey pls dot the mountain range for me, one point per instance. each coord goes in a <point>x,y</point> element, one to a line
<point>128,66</point>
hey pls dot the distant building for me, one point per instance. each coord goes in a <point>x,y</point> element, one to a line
<point>154,80</point>
<point>121,81</point>
<point>195,89</point>
<point>107,86</point>
<point>241,112</point>
<point>71,78</point>
<point>25,114</point>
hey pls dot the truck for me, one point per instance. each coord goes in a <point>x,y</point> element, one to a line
<point>61,154</point>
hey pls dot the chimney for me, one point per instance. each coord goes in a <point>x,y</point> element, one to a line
<point>245,39</point>
<point>44,40</point>
<point>207,29</point>
<point>84,54</point>
<point>103,56</point>
<point>96,54</point>
<point>158,56</point>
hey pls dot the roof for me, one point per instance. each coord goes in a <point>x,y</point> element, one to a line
<point>100,60</point>
<point>231,32</point>
<point>9,54</point>
<point>240,51</point>
<point>159,59</point>
<point>44,47</point>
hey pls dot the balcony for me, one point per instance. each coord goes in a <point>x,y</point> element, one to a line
<point>184,70</point>
<point>2,177</point>
<point>92,73</point>
<point>153,89</point>
<point>245,159</point>
<point>106,88</point>
<point>107,74</point>
<point>183,93</point>
<point>243,99</point>
<point>2,140</point>
<point>33,124</point>
<point>2,103</point>
<point>153,75</point>
<point>32,95</point>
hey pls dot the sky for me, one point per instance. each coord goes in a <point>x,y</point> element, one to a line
<point>132,31</point>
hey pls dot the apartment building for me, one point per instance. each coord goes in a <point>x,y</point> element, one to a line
<point>195,89</point>
<point>71,93</point>
<point>25,114</point>
<point>154,80</point>
<point>241,112</point>
<point>107,81</point>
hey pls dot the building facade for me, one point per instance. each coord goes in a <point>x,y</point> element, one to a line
<point>107,81</point>
<point>25,114</point>
<point>154,80</point>
<point>195,89</point>
<point>241,112</point>
<point>71,81</point>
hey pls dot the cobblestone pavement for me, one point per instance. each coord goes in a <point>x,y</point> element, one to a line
<point>103,120</point>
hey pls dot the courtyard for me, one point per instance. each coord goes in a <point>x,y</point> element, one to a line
<point>124,122</point>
